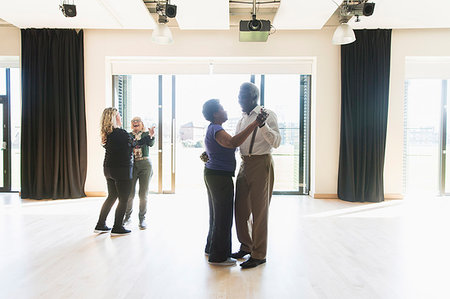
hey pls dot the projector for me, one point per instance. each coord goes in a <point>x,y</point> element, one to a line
<point>254,30</point>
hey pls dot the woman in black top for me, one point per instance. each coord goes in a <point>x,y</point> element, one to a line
<point>117,167</point>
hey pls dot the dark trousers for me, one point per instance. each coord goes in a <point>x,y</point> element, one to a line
<point>117,188</point>
<point>220,190</point>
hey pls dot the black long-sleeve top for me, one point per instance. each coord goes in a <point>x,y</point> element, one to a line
<point>119,148</point>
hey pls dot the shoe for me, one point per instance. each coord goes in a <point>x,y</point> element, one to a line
<point>252,263</point>
<point>127,221</point>
<point>142,225</point>
<point>228,262</point>
<point>240,254</point>
<point>120,231</point>
<point>100,229</point>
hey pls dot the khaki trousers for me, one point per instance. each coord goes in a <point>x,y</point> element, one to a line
<point>254,186</point>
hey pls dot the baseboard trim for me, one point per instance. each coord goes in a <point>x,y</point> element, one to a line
<point>335,196</point>
<point>393,196</point>
<point>95,194</point>
<point>325,196</point>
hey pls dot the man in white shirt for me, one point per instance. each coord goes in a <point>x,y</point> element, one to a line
<point>254,183</point>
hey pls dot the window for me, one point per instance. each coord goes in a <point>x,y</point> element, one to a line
<point>174,103</point>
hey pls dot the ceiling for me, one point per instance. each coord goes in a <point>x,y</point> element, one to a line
<point>220,14</point>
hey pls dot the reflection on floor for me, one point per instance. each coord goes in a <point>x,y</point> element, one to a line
<point>317,249</point>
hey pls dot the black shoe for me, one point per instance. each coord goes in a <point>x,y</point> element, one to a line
<point>252,263</point>
<point>120,231</point>
<point>240,254</point>
<point>228,262</point>
<point>100,229</point>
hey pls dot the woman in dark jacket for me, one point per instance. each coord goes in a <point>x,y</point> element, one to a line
<point>117,167</point>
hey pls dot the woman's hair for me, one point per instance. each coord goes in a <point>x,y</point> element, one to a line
<point>209,108</point>
<point>108,122</point>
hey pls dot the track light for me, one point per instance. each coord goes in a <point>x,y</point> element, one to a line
<point>344,33</point>
<point>171,11</point>
<point>68,10</point>
<point>162,34</point>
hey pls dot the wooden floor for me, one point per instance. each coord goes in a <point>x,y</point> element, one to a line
<point>317,249</point>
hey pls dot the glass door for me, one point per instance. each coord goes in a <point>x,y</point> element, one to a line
<point>426,170</point>
<point>5,156</point>
<point>151,98</point>
<point>289,97</point>
<point>174,103</point>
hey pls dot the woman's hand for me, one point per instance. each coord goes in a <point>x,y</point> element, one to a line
<point>151,131</point>
<point>204,157</point>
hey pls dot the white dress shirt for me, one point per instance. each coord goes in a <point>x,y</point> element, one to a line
<point>266,138</point>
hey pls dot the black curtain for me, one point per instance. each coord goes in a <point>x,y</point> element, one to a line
<point>54,149</point>
<point>365,68</point>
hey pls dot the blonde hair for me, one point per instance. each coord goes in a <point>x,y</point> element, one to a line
<point>108,122</point>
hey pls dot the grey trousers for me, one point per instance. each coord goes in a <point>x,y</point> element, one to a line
<point>254,186</point>
<point>142,172</point>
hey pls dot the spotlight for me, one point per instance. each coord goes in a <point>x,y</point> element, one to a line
<point>171,11</point>
<point>162,34</point>
<point>344,33</point>
<point>68,10</point>
<point>361,8</point>
<point>368,9</point>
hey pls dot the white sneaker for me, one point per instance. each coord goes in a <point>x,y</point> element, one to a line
<point>228,262</point>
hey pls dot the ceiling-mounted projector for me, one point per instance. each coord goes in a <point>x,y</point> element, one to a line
<point>254,30</point>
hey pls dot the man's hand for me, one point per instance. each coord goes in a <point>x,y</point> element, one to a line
<point>262,116</point>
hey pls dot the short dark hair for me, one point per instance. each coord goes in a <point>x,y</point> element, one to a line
<point>249,91</point>
<point>209,108</point>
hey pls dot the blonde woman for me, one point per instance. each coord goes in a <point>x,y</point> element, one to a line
<point>117,167</point>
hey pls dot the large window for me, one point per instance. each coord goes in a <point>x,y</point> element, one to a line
<point>427,166</point>
<point>174,104</point>
<point>10,120</point>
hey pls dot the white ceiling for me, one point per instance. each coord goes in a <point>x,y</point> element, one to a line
<point>221,14</point>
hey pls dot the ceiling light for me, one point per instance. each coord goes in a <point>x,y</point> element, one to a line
<point>162,34</point>
<point>343,35</point>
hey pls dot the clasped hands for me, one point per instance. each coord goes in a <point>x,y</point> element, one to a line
<point>261,117</point>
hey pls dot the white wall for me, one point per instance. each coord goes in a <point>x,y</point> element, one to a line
<point>326,107</point>
<point>102,43</point>
<point>10,41</point>
<point>420,42</point>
